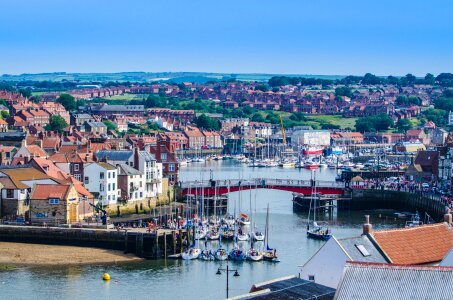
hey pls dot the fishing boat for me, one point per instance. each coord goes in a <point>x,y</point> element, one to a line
<point>269,254</point>
<point>316,231</point>
<point>191,253</point>
<point>312,150</point>
<point>254,255</point>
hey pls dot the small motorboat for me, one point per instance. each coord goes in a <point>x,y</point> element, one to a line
<point>191,253</point>
<point>254,255</point>
<point>183,163</point>
<point>237,255</point>
<point>206,255</point>
<point>221,254</point>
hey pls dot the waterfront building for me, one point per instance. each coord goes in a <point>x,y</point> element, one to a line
<point>326,266</point>
<point>16,184</point>
<point>54,204</point>
<point>421,245</point>
<point>131,183</point>
<point>394,282</point>
<point>141,160</point>
<point>101,180</point>
<point>196,138</point>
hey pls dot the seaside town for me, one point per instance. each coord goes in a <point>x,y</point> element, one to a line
<point>108,158</point>
<point>239,150</point>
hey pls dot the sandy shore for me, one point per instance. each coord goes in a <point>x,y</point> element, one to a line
<point>35,254</point>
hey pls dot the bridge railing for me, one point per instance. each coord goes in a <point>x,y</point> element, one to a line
<point>259,182</point>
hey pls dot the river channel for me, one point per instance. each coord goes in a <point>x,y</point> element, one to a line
<point>176,279</point>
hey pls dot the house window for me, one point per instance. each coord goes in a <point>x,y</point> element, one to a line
<point>101,175</point>
<point>136,194</point>
<point>141,194</point>
<point>101,187</point>
<point>54,201</point>
<point>87,180</point>
<point>171,167</point>
<point>141,182</point>
<point>77,177</point>
<point>113,174</point>
<point>163,156</point>
<point>311,277</point>
<point>9,193</point>
<point>108,173</point>
<point>113,197</point>
<point>76,167</point>
<point>113,186</point>
<point>108,188</point>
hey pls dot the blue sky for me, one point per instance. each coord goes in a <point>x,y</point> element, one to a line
<point>234,36</point>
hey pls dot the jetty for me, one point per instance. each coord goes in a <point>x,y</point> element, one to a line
<point>157,244</point>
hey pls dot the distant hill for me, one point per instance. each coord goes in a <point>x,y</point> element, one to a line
<point>142,77</point>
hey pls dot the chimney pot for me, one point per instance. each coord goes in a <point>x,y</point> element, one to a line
<point>367,227</point>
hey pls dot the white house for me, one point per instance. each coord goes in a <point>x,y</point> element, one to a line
<point>326,266</point>
<point>143,161</point>
<point>131,183</point>
<point>101,179</point>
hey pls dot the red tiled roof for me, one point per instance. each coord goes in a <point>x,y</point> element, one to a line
<point>46,191</point>
<point>416,245</point>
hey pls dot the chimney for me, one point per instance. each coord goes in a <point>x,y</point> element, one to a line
<point>448,217</point>
<point>367,227</point>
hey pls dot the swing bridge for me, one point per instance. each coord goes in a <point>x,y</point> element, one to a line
<point>212,187</point>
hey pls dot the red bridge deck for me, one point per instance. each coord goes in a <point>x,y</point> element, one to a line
<point>222,187</point>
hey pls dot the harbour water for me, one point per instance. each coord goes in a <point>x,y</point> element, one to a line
<point>197,279</point>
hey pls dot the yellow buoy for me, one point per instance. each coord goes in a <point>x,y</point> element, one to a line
<point>106,277</point>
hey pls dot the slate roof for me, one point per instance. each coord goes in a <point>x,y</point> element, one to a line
<point>116,155</point>
<point>128,170</point>
<point>399,282</point>
<point>416,245</point>
<point>147,156</point>
<point>290,288</point>
<point>350,245</point>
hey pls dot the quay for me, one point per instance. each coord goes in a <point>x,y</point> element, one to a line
<point>363,199</point>
<point>154,245</point>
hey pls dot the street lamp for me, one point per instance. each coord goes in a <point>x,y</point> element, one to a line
<point>227,270</point>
